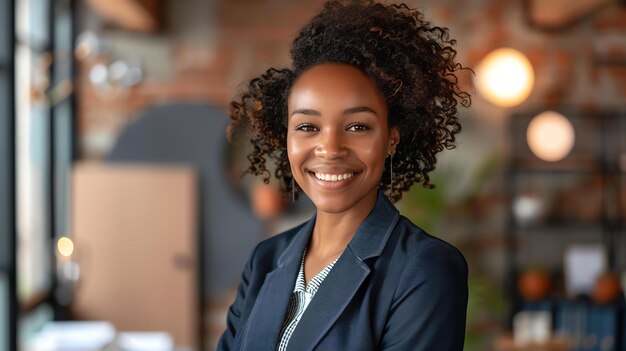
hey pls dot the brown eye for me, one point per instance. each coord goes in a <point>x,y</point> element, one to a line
<point>307,128</point>
<point>358,127</point>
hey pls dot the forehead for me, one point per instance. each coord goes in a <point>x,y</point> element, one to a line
<point>335,84</point>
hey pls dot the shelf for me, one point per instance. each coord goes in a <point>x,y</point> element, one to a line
<point>569,165</point>
<point>559,226</point>
<point>560,171</point>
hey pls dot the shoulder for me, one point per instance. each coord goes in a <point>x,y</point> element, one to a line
<point>426,256</point>
<point>267,252</point>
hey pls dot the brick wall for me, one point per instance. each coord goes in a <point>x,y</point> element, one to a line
<point>208,51</point>
<point>580,65</point>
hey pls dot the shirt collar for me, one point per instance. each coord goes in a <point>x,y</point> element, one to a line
<point>315,283</point>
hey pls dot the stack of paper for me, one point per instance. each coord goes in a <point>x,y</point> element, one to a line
<point>73,336</point>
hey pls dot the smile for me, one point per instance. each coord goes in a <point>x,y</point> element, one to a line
<point>333,177</point>
<point>333,181</point>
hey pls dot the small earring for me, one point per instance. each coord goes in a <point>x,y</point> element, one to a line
<point>391,176</point>
<point>293,191</point>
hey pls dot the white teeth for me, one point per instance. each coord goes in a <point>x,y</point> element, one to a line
<point>333,177</point>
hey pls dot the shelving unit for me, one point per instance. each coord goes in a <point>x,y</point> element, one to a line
<point>580,199</point>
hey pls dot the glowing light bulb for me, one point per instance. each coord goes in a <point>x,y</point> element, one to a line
<point>550,136</point>
<point>505,77</point>
<point>65,246</point>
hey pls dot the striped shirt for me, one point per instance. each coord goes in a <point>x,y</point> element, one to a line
<point>300,299</point>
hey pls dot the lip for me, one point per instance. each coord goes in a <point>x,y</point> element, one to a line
<point>336,185</point>
<point>332,169</point>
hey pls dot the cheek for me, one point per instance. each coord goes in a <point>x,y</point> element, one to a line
<point>376,161</point>
<point>295,152</point>
<point>375,153</point>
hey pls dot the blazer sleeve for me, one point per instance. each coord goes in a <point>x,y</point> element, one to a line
<point>235,319</point>
<point>430,304</point>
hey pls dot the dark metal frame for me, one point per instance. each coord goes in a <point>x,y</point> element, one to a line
<point>7,171</point>
<point>60,312</point>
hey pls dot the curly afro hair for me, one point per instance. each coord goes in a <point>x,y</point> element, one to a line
<point>411,62</point>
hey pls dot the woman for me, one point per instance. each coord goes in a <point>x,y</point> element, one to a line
<point>370,100</point>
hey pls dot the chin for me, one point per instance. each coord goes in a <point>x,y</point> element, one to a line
<point>325,205</point>
<point>340,202</point>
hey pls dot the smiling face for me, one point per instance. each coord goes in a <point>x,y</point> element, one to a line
<point>338,137</point>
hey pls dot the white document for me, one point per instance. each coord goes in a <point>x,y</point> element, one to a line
<point>583,264</point>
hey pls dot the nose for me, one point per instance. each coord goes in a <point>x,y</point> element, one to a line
<point>331,145</point>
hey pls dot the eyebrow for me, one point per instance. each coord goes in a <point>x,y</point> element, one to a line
<point>311,112</point>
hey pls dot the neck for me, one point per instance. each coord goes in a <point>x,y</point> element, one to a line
<point>333,231</point>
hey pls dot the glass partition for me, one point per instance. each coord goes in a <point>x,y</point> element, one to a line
<point>32,66</point>
<point>44,130</point>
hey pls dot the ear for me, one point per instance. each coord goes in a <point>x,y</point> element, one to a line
<point>394,139</point>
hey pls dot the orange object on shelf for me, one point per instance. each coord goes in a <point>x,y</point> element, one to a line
<point>607,289</point>
<point>533,284</point>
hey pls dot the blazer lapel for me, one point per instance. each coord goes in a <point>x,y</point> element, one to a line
<point>270,308</point>
<point>347,275</point>
<point>330,300</point>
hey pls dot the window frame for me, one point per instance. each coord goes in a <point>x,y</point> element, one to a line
<point>7,172</point>
<point>60,153</point>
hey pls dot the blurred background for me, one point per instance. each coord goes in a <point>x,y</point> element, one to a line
<point>125,222</point>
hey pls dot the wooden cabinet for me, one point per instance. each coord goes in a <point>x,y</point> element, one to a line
<point>135,230</point>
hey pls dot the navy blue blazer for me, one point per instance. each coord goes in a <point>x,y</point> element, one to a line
<point>394,288</point>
